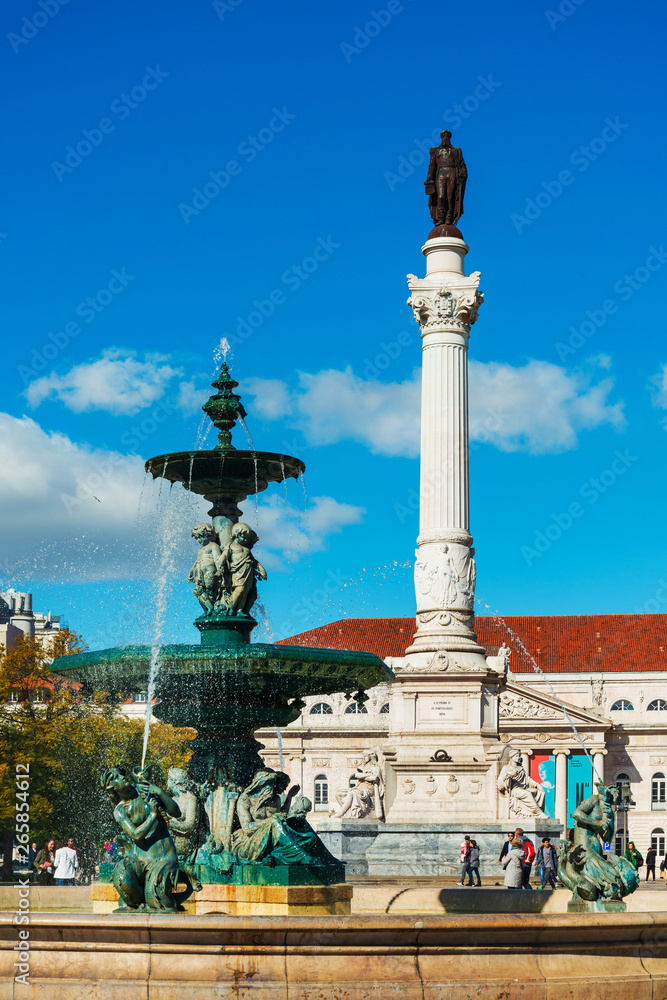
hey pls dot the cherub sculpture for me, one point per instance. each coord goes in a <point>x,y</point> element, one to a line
<point>240,570</point>
<point>582,867</point>
<point>148,872</point>
<point>205,572</point>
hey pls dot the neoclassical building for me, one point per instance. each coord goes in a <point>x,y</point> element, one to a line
<point>597,704</point>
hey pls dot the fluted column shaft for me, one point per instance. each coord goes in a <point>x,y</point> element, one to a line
<point>445,305</point>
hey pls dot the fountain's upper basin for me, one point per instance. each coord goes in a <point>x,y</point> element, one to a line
<point>257,679</point>
<point>225,473</point>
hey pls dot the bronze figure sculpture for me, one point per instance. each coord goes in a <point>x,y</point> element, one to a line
<point>595,880</point>
<point>445,182</point>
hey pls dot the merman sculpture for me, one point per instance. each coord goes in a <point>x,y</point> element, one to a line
<point>148,872</point>
<point>597,882</point>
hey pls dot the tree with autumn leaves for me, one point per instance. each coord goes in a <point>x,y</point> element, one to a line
<point>66,740</point>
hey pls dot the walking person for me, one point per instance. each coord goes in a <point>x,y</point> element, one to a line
<point>650,863</point>
<point>44,862</point>
<point>513,865</point>
<point>528,855</point>
<point>507,846</point>
<point>547,863</point>
<point>464,851</point>
<point>473,864</point>
<point>66,863</point>
<point>633,856</point>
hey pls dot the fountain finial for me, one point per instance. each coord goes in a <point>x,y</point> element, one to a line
<point>224,408</point>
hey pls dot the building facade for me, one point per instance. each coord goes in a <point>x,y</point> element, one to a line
<point>584,699</point>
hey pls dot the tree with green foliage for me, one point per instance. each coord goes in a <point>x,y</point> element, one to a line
<point>66,740</point>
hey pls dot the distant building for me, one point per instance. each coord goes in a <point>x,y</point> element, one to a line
<point>17,618</point>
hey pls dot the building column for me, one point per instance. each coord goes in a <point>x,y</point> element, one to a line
<point>561,785</point>
<point>445,305</point>
<point>525,759</point>
<point>598,765</point>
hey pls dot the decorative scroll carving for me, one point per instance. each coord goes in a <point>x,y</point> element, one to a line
<point>455,309</point>
<point>515,706</point>
<point>440,757</point>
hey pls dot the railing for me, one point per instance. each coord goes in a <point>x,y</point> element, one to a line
<point>659,806</point>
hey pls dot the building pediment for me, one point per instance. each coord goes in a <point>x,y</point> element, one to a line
<point>520,703</point>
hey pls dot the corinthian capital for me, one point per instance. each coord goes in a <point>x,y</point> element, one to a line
<point>445,306</point>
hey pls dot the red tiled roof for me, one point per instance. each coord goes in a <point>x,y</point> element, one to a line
<point>559,643</point>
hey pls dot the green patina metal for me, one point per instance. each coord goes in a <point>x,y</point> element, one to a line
<point>224,408</point>
<point>233,819</point>
<point>598,883</point>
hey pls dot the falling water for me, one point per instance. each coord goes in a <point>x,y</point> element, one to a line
<point>170,521</point>
<point>192,462</point>
<point>501,623</point>
<point>280,748</point>
<point>247,433</point>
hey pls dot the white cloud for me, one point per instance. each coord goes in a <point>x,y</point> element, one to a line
<point>287,533</point>
<point>538,408</point>
<point>72,512</point>
<point>658,385</point>
<point>117,382</point>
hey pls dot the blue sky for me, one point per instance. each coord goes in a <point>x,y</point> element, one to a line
<point>314,118</point>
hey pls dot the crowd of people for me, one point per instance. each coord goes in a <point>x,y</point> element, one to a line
<point>517,857</point>
<point>63,863</point>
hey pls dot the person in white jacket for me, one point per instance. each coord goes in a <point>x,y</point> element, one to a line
<point>513,865</point>
<point>66,863</point>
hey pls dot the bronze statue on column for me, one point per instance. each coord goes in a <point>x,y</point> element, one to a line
<point>446,182</point>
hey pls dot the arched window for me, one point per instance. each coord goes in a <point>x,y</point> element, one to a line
<point>321,709</point>
<point>355,709</point>
<point>658,792</point>
<point>659,705</point>
<point>622,705</point>
<point>385,709</point>
<point>321,791</point>
<point>658,841</point>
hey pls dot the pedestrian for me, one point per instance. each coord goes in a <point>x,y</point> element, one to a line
<point>650,862</point>
<point>547,863</point>
<point>513,865</point>
<point>66,863</point>
<point>114,848</point>
<point>32,853</point>
<point>633,856</point>
<point>473,864</point>
<point>44,862</point>
<point>528,855</point>
<point>507,846</point>
<point>464,851</point>
<point>663,866</point>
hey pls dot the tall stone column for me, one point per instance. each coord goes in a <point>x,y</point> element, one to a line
<point>598,766</point>
<point>445,305</point>
<point>561,787</point>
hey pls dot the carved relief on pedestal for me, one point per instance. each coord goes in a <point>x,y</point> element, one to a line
<point>430,786</point>
<point>408,786</point>
<point>445,577</point>
<point>515,706</point>
<point>452,785</point>
<point>475,785</point>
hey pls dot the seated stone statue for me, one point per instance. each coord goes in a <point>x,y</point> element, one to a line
<point>582,867</point>
<point>366,795</point>
<point>147,874</point>
<point>204,572</point>
<point>526,796</point>
<point>273,827</point>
